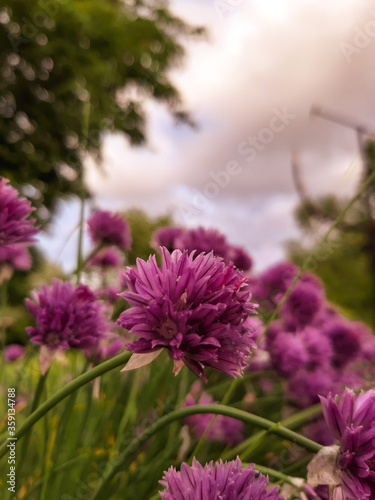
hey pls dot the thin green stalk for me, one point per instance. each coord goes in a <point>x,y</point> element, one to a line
<point>224,401</point>
<point>3,302</point>
<point>81,263</point>
<point>66,391</point>
<point>248,446</point>
<point>59,468</point>
<point>37,395</point>
<point>273,473</point>
<point>117,463</point>
<point>297,465</point>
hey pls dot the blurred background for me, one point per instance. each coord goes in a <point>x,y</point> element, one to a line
<point>254,118</point>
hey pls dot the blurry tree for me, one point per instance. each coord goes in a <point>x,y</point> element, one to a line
<point>142,228</point>
<point>57,55</point>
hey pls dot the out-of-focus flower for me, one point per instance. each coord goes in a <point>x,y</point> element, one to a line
<point>108,293</point>
<point>351,420</point>
<point>107,229</point>
<point>15,227</point>
<point>106,259</point>
<point>16,257</point>
<point>319,433</point>
<point>107,348</point>
<point>303,303</point>
<point>66,317</point>
<point>305,386</point>
<point>278,278</point>
<point>224,481</point>
<point>194,306</point>
<point>203,240</point>
<point>224,429</point>
<point>166,237</point>
<point>240,258</point>
<point>345,340</point>
<point>288,354</point>
<point>318,348</point>
<point>13,352</point>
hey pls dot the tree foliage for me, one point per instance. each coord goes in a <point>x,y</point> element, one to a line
<point>63,59</point>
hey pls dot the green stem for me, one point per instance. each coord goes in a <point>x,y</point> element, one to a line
<point>37,395</point>
<point>195,410</point>
<point>224,401</point>
<point>248,446</point>
<point>273,473</point>
<point>64,392</point>
<point>3,302</point>
<point>81,263</point>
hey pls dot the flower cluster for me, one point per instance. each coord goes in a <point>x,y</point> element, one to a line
<point>224,481</point>
<point>66,317</point>
<point>107,229</point>
<point>224,429</point>
<point>194,306</point>
<point>351,420</point>
<point>202,240</point>
<point>311,344</point>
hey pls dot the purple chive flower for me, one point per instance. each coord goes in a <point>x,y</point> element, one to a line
<point>13,352</point>
<point>288,354</point>
<point>224,481</point>
<point>318,347</point>
<point>304,387</point>
<point>278,278</point>
<point>108,348</point>
<point>166,237</point>
<point>16,257</point>
<point>106,259</point>
<point>194,306</point>
<point>66,317</point>
<point>211,240</point>
<point>108,229</point>
<point>203,240</point>
<point>319,433</point>
<point>303,303</point>
<point>15,228</point>
<point>108,293</point>
<point>346,341</point>
<point>351,420</point>
<point>240,258</point>
<point>224,429</point>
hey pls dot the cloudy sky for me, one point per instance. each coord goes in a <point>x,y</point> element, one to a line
<point>250,88</point>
